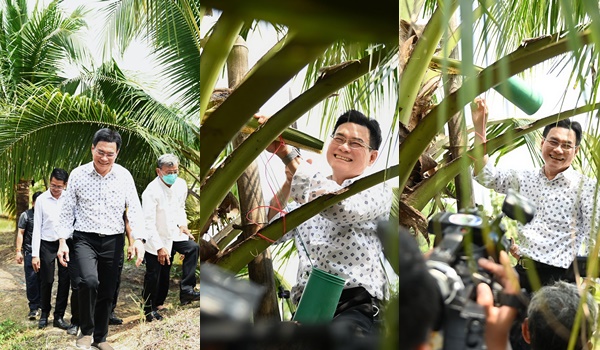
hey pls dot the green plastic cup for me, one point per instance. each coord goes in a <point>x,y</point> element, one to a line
<point>516,91</point>
<point>320,297</point>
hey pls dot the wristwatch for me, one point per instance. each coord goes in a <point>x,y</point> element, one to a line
<point>294,153</point>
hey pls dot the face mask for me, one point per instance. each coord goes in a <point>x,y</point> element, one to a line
<point>169,179</point>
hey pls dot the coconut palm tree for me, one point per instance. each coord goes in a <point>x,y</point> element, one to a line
<point>33,48</point>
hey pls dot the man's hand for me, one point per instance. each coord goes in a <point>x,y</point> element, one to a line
<point>35,263</point>
<point>186,231</point>
<point>479,114</point>
<point>63,252</point>
<point>130,250</point>
<point>498,319</point>
<point>19,257</point>
<point>514,249</point>
<point>163,256</point>
<point>139,251</point>
<point>276,146</point>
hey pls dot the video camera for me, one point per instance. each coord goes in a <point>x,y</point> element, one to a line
<point>462,238</point>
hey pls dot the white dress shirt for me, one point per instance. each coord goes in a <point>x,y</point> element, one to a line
<point>341,239</point>
<point>96,203</point>
<point>564,211</point>
<point>45,220</point>
<point>164,212</point>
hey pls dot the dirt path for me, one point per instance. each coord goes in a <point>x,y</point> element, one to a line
<point>180,329</point>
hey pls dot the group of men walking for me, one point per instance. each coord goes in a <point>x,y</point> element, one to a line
<point>84,229</point>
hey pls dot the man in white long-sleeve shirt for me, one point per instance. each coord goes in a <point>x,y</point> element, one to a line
<point>163,202</point>
<point>99,192</point>
<point>44,245</point>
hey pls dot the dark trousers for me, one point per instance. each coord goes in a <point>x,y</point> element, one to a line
<point>190,250</point>
<point>118,287</point>
<point>98,259</point>
<point>149,292</point>
<point>48,260</point>
<point>73,268</point>
<point>32,282</point>
<point>358,311</point>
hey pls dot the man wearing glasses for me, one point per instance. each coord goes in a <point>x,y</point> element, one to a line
<point>342,239</point>
<point>45,242</point>
<point>99,192</point>
<point>564,199</point>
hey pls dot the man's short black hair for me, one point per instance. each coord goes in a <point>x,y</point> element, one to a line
<point>357,117</point>
<point>567,124</point>
<point>60,175</point>
<point>418,295</point>
<point>107,135</point>
<point>35,195</point>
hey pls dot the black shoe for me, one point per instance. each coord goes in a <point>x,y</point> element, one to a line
<point>43,322</point>
<point>33,314</point>
<point>60,323</point>
<point>73,329</point>
<point>154,315</point>
<point>114,320</point>
<point>188,297</point>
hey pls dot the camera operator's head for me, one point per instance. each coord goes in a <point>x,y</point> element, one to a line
<point>551,315</point>
<point>420,303</point>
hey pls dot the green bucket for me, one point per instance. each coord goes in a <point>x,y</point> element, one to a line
<point>320,297</point>
<point>520,94</point>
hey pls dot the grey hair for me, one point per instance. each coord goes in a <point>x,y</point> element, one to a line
<point>552,314</point>
<point>168,160</point>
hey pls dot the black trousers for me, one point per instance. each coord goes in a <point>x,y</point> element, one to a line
<point>32,282</point>
<point>118,287</point>
<point>153,270</point>
<point>190,250</point>
<point>359,311</point>
<point>48,260</point>
<point>98,259</point>
<point>73,268</point>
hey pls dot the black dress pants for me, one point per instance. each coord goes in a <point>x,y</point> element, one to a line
<point>73,268</point>
<point>32,282</point>
<point>98,258</point>
<point>153,270</point>
<point>190,250</point>
<point>48,260</point>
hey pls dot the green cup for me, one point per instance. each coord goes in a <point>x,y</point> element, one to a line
<point>320,297</point>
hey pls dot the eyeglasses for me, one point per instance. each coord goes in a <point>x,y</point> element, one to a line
<point>352,143</point>
<point>57,187</point>
<point>172,172</point>
<point>102,154</point>
<point>564,146</point>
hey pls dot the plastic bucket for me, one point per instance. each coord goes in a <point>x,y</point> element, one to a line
<point>516,91</point>
<point>320,297</point>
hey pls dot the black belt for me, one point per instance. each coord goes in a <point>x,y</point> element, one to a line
<point>527,263</point>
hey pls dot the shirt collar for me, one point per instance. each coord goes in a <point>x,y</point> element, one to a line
<point>568,174</point>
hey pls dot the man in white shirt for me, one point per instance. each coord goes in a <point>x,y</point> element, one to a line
<point>44,248</point>
<point>163,202</point>
<point>99,192</point>
<point>342,239</point>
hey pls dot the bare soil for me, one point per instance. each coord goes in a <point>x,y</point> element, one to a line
<point>179,330</point>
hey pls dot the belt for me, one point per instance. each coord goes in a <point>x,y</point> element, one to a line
<point>527,263</point>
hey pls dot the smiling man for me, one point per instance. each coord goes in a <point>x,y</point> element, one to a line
<point>92,212</point>
<point>341,239</point>
<point>564,199</point>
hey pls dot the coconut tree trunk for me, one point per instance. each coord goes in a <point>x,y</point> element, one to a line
<point>22,197</point>
<point>260,269</point>
<point>457,134</point>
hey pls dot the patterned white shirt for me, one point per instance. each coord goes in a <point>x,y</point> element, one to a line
<point>164,212</point>
<point>96,203</point>
<point>341,239</point>
<point>45,220</point>
<point>564,212</point>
